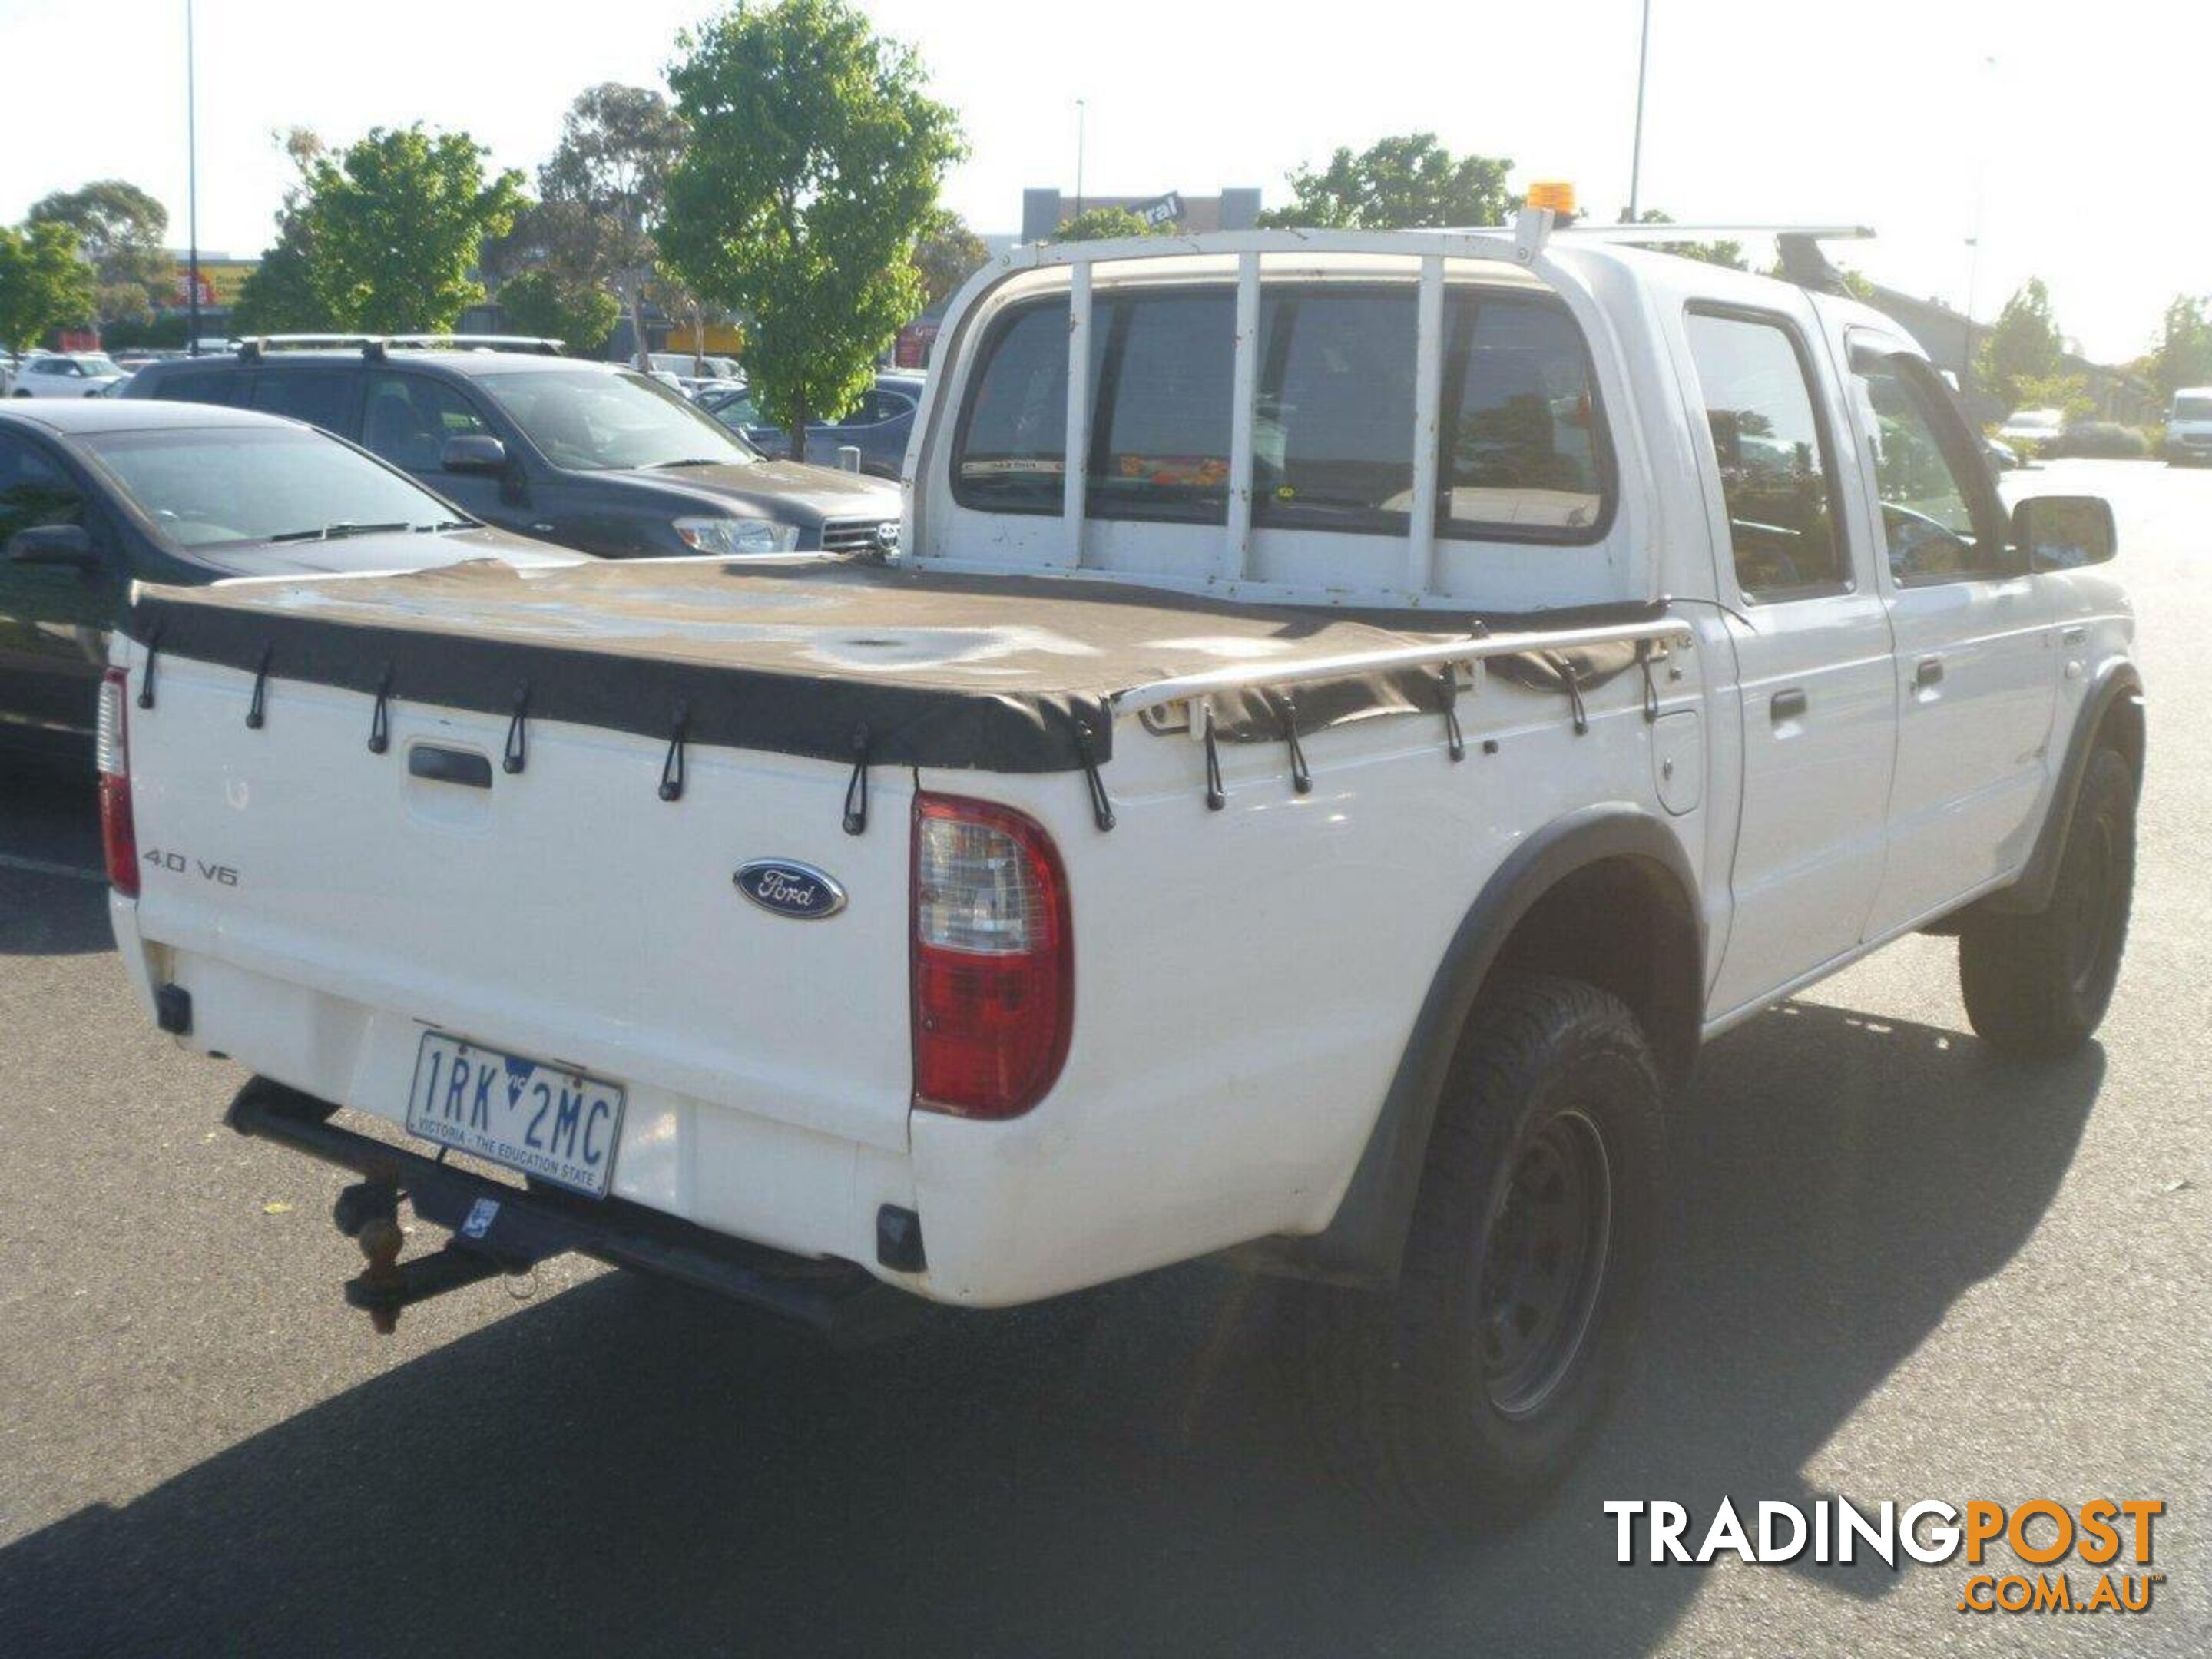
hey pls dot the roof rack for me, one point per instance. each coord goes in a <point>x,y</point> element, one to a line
<point>260,344</point>
<point>541,346</point>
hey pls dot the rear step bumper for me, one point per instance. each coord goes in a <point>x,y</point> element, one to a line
<point>502,1229</point>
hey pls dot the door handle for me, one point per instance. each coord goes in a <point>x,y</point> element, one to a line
<point>2074,636</point>
<point>1787,705</point>
<point>1930,673</point>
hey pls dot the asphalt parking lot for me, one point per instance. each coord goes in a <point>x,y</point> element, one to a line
<point>1900,1269</point>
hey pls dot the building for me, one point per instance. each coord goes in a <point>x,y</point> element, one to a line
<point>1045,210</point>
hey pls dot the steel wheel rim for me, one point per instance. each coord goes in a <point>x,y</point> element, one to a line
<point>1543,1263</point>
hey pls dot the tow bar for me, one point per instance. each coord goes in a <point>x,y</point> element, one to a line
<point>499,1229</point>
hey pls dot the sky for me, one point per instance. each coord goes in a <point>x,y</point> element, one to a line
<point>2070,140</point>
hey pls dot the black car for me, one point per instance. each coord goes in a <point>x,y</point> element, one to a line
<point>878,425</point>
<point>592,455</point>
<point>94,494</point>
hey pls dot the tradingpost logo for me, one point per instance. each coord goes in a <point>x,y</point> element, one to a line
<point>2041,1533</point>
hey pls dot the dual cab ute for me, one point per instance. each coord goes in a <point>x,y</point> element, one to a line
<point>1351,714</point>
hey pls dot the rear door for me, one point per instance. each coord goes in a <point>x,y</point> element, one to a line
<point>1814,665</point>
<point>1978,670</point>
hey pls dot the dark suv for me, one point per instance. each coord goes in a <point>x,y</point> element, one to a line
<point>592,455</point>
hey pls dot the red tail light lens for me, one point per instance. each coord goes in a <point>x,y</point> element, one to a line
<point>112,753</point>
<point>993,959</point>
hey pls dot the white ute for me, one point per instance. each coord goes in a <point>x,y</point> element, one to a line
<point>1351,714</point>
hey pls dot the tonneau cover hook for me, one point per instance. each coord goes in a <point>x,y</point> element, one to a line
<point>517,752</point>
<point>1086,751</point>
<point>257,711</point>
<point>1573,682</point>
<point>671,766</point>
<point>153,651</point>
<point>1455,740</point>
<point>380,719</point>
<point>1216,796</point>
<point>1301,779</point>
<point>1651,688</point>
<point>856,790</point>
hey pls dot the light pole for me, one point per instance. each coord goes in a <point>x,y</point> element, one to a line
<point>192,185</point>
<point>1635,148</point>
<point>1082,112</point>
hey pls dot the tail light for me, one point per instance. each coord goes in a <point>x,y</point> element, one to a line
<point>112,753</point>
<point>993,959</point>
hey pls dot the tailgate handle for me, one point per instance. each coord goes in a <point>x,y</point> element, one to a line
<point>1787,705</point>
<point>428,760</point>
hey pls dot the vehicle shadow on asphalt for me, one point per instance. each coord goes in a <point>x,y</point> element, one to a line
<point>629,1467</point>
<point>49,815</point>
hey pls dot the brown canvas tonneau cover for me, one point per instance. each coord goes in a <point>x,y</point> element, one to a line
<point>799,657</point>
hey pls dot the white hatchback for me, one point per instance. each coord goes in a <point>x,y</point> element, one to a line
<point>67,374</point>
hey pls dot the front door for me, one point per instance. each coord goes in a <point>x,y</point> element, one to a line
<point>1812,642</point>
<point>1977,667</point>
<point>53,618</point>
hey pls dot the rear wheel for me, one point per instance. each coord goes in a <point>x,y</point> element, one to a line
<point>1463,1397</point>
<point>2038,984</point>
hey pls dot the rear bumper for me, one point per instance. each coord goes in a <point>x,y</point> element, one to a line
<point>514,1227</point>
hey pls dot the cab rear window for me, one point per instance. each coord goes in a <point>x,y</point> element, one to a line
<point>1522,453</point>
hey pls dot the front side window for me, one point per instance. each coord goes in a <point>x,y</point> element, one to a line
<point>1928,518</point>
<point>409,418</point>
<point>213,486</point>
<point>1778,479</point>
<point>589,422</point>
<point>33,492</point>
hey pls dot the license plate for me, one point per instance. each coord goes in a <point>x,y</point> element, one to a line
<point>543,1120</point>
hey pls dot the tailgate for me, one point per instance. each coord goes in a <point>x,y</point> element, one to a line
<point>564,912</point>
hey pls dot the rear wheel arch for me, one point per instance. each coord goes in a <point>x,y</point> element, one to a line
<point>1606,895</point>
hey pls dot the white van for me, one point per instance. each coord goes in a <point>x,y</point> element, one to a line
<point>2188,426</point>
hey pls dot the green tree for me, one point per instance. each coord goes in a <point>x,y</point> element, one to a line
<point>812,170</point>
<point>604,190</point>
<point>1712,253</point>
<point>947,255</point>
<point>394,224</point>
<point>2022,344</point>
<point>1407,182</point>
<point>2069,393</point>
<point>45,283</point>
<point>278,296</point>
<point>120,229</point>
<point>1101,224</point>
<point>540,301</point>
<point>2183,355</point>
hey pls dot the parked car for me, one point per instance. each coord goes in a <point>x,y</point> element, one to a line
<point>2044,429</point>
<point>692,374</point>
<point>2188,426</point>
<point>1317,834</point>
<point>594,456</point>
<point>67,374</point>
<point>2001,456</point>
<point>878,426</point>
<point>95,495</point>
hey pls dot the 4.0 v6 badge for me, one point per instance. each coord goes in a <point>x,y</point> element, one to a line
<point>177,864</point>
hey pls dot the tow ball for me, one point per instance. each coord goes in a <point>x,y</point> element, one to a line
<point>368,1214</point>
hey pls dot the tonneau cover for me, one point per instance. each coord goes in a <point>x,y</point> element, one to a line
<point>814,657</point>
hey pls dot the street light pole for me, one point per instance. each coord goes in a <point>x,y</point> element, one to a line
<point>1082,112</point>
<point>1636,150</point>
<point>192,185</point>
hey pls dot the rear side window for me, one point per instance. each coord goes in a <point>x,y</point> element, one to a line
<point>222,387</point>
<point>1522,454</point>
<point>1778,477</point>
<point>318,396</point>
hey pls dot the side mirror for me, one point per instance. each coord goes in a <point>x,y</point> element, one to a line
<point>53,544</point>
<point>2064,532</point>
<point>474,452</point>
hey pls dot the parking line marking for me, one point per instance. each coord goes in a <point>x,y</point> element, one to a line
<point>51,867</point>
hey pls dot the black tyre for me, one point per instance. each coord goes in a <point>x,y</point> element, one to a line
<point>1463,1398</point>
<point>2038,984</point>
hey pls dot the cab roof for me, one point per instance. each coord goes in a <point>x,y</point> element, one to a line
<point>70,417</point>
